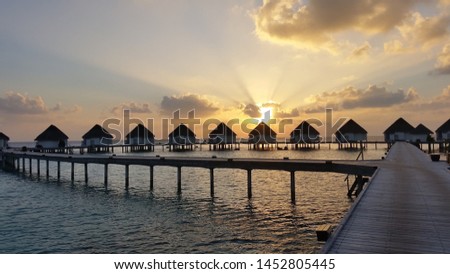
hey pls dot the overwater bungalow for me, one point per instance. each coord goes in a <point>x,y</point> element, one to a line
<point>97,139</point>
<point>421,134</point>
<point>181,139</point>
<point>3,141</point>
<point>262,137</point>
<point>400,130</point>
<point>140,139</point>
<point>350,134</point>
<point>222,137</point>
<point>52,140</point>
<point>304,136</point>
<point>443,132</point>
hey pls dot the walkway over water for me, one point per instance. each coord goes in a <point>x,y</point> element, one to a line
<point>17,160</point>
<point>405,208</point>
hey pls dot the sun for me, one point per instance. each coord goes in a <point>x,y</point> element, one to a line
<point>266,113</point>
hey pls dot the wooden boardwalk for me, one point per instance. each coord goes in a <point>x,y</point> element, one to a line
<point>405,208</point>
<point>11,160</point>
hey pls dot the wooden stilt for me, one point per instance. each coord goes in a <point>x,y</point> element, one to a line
<point>38,168</point>
<point>106,175</point>
<point>59,170</point>
<point>293,186</point>
<point>86,173</point>
<point>127,176</point>
<point>151,178</point>
<point>72,172</point>
<point>47,169</point>
<point>31,166</point>
<point>179,180</point>
<point>249,183</point>
<point>23,165</point>
<point>211,181</point>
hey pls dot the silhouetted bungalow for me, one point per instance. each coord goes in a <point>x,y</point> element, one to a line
<point>421,134</point>
<point>350,134</point>
<point>97,139</point>
<point>222,137</point>
<point>182,138</point>
<point>400,130</point>
<point>140,139</point>
<point>52,140</point>
<point>3,141</point>
<point>304,135</point>
<point>261,136</point>
<point>443,132</point>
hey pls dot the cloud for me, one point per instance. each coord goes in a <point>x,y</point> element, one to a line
<point>251,110</point>
<point>360,52</point>
<point>17,103</point>
<point>443,61</point>
<point>440,102</point>
<point>396,47</point>
<point>276,111</point>
<point>187,102</point>
<point>287,113</point>
<point>352,98</point>
<point>132,107</point>
<point>313,23</point>
<point>425,31</point>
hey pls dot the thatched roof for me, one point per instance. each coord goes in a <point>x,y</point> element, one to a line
<point>140,131</point>
<point>182,130</point>
<point>352,127</point>
<point>97,131</point>
<point>52,133</point>
<point>399,126</point>
<point>222,129</point>
<point>445,127</point>
<point>304,128</point>
<point>421,129</point>
<point>3,136</point>
<point>262,129</point>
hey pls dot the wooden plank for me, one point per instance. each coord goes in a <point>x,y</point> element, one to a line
<point>403,210</point>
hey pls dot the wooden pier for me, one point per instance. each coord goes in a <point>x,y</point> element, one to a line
<point>404,209</point>
<point>17,161</point>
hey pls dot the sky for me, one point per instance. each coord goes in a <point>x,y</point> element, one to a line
<point>77,63</point>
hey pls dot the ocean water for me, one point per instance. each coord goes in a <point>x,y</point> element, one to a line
<point>47,216</point>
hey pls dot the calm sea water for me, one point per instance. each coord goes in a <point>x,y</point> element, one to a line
<point>40,216</point>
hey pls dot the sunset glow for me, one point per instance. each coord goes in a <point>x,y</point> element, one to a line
<point>75,64</point>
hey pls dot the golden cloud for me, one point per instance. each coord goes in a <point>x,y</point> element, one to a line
<point>312,24</point>
<point>443,61</point>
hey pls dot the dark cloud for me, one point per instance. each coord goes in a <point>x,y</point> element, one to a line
<point>425,30</point>
<point>351,98</point>
<point>186,103</point>
<point>252,110</point>
<point>17,103</point>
